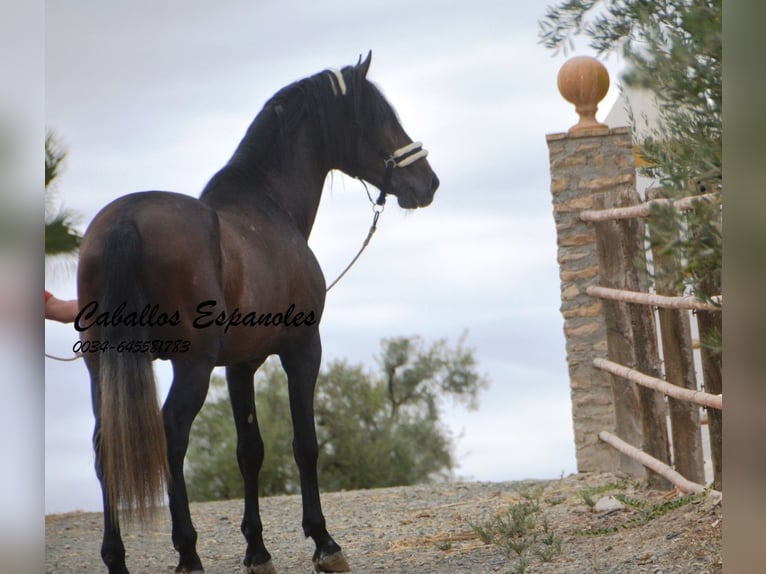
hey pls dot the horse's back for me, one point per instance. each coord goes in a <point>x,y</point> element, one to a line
<point>179,259</point>
<point>204,264</point>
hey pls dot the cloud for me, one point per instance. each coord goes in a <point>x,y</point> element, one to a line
<point>516,434</point>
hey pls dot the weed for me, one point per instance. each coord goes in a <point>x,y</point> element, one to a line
<point>550,544</point>
<point>519,533</point>
<point>531,491</point>
<point>587,498</point>
<point>555,500</point>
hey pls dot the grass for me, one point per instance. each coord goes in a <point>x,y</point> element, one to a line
<point>588,494</point>
<point>645,512</point>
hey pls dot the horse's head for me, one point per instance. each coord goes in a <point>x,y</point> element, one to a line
<point>376,148</point>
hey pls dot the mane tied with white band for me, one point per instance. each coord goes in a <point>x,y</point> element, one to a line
<point>337,82</point>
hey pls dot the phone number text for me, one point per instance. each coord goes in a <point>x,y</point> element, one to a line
<point>155,346</point>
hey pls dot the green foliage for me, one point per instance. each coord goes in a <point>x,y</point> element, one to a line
<point>365,443</point>
<point>673,49</point>
<point>212,455</point>
<point>62,239</point>
<point>54,156</point>
<point>279,473</point>
<point>373,429</point>
<point>417,377</point>
<point>211,467</point>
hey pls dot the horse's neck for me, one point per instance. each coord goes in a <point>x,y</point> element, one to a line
<point>298,190</point>
<point>295,188</point>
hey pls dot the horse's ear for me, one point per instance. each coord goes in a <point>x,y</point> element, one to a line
<point>364,67</point>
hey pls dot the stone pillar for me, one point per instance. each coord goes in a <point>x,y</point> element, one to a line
<point>589,160</point>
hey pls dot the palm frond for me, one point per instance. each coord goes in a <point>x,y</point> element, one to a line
<point>54,156</point>
<point>61,237</point>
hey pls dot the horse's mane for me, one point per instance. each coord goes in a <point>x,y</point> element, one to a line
<point>314,99</point>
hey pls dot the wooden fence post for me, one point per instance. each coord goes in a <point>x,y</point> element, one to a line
<point>631,332</point>
<point>678,358</point>
<point>710,324</point>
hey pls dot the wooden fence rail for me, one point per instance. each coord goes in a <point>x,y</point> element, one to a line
<point>698,397</point>
<point>684,419</point>
<point>645,209</point>
<point>657,466</point>
<point>679,302</point>
<point>620,232</point>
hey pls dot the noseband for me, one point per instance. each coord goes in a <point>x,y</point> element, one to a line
<point>401,157</point>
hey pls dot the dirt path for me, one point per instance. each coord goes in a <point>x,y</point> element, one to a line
<point>428,530</point>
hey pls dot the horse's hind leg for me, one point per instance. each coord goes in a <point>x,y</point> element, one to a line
<point>301,363</point>
<point>250,458</point>
<point>191,379</point>
<point>112,548</point>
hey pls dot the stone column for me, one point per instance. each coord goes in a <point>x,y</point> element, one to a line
<point>589,160</point>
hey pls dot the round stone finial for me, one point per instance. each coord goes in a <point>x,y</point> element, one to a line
<point>584,81</point>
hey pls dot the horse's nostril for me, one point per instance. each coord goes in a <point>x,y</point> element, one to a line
<point>434,183</point>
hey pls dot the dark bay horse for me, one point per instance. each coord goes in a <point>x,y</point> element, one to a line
<point>227,279</point>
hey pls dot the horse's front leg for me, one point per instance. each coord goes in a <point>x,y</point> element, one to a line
<point>250,458</point>
<point>191,379</point>
<point>301,363</point>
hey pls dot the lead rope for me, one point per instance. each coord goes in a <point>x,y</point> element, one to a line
<point>377,209</point>
<point>401,157</point>
<point>55,358</point>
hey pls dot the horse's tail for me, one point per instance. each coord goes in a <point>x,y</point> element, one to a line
<point>131,441</point>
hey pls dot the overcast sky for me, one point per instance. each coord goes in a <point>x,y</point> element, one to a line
<point>148,95</point>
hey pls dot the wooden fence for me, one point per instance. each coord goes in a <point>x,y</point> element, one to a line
<point>625,306</point>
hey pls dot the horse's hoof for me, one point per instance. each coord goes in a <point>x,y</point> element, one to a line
<point>265,568</point>
<point>333,563</point>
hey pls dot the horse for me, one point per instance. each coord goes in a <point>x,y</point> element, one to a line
<point>228,279</point>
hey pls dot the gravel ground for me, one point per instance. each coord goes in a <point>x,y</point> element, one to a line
<point>427,529</point>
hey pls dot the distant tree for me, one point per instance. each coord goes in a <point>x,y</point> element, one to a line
<point>373,430</point>
<point>211,462</point>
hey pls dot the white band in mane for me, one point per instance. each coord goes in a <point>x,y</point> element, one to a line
<point>336,76</point>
